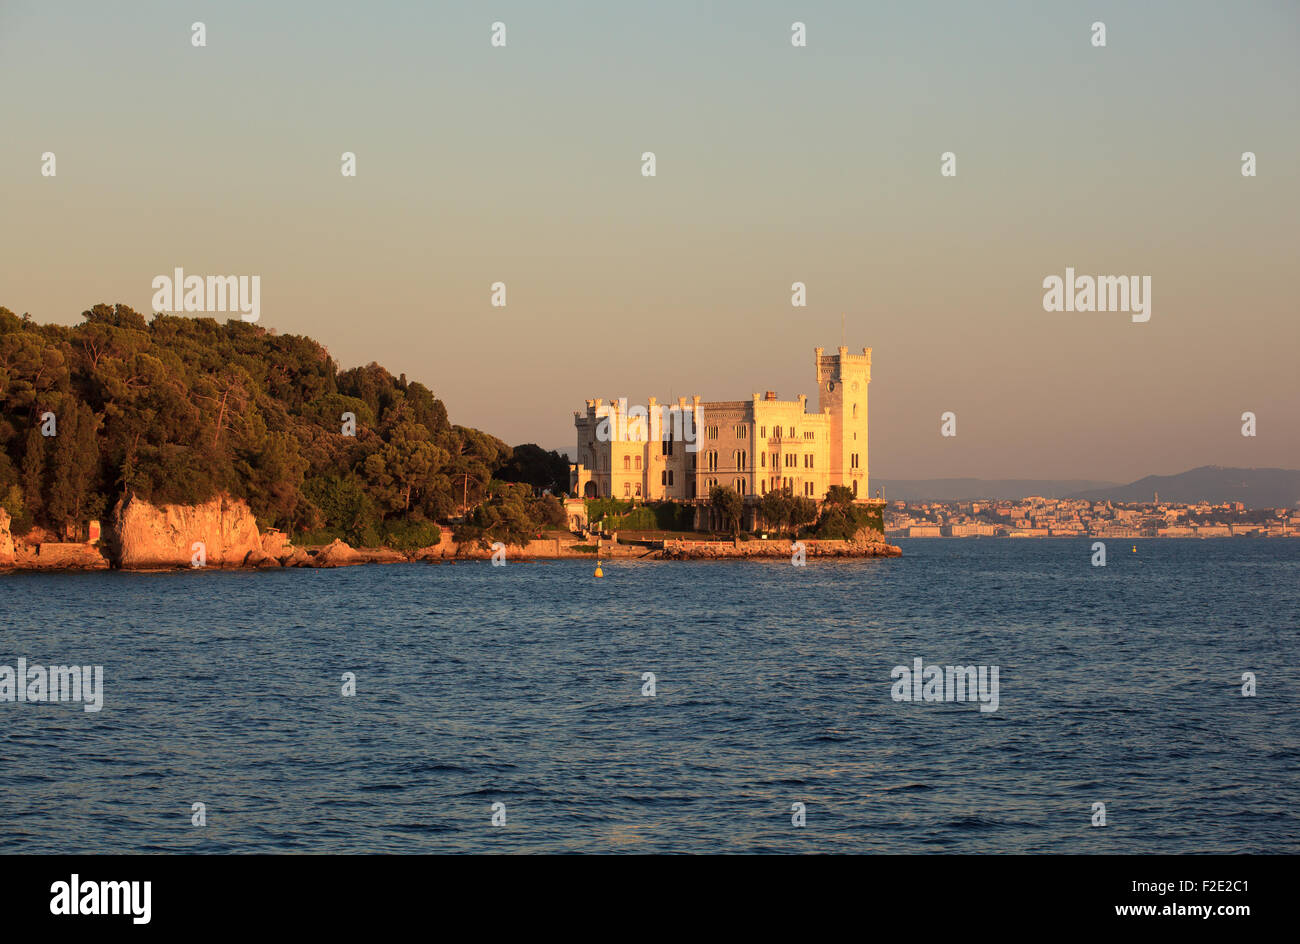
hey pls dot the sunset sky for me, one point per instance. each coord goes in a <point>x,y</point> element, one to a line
<point>775,164</point>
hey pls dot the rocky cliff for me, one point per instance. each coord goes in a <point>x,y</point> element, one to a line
<point>6,541</point>
<point>145,535</point>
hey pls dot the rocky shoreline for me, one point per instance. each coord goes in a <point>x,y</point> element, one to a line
<point>775,550</point>
<point>223,535</point>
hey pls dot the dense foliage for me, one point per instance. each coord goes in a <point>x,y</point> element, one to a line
<point>535,466</point>
<point>614,515</point>
<point>180,409</point>
<point>730,506</point>
<point>841,519</point>
<point>783,510</point>
<point>512,514</point>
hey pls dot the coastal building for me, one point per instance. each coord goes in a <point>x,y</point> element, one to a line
<point>679,451</point>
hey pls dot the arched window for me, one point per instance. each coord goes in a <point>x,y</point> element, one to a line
<point>855,411</point>
<point>627,463</point>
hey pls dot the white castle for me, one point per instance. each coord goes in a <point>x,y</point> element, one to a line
<point>678,452</point>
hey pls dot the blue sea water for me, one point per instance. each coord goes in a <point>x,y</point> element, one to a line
<point>523,685</point>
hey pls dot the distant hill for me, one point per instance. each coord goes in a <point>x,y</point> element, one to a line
<point>967,489</point>
<point>1256,488</point>
<point>180,410</point>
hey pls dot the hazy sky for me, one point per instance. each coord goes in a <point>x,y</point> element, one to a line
<point>775,164</point>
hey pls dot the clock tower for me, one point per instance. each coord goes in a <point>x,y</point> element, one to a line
<point>842,380</point>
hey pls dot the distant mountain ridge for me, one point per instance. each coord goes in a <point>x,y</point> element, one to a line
<point>966,489</point>
<point>1255,488</point>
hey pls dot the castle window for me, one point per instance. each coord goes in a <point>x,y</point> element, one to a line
<point>855,411</point>
<point>638,462</point>
<point>808,435</point>
<point>762,432</point>
<point>627,463</point>
<point>638,489</point>
<point>855,488</point>
<point>762,460</point>
<point>627,489</point>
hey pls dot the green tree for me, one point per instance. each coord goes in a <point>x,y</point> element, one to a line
<point>802,511</point>
<point>537,467</point>
<point>839,495</point>
<point>775,508</point>
<point>729,505</point>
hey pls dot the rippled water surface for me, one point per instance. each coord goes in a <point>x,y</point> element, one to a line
<point>522,685</point>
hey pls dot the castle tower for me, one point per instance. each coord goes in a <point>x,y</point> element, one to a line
<point>842,380</point>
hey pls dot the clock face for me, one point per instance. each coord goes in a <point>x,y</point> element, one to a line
<point>830,385</point>
<point>855,388</point>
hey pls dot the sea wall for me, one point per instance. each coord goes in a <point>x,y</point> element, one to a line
<point>550,548</point>
<point>36,554</point>
<point>773,550</point>
<point>49,555</point>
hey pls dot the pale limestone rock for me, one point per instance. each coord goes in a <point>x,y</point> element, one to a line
<point>6,540</point>
<point>146,535</point>
<point>337,554</point>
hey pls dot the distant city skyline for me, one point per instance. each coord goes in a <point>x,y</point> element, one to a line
<point>774,165</point>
